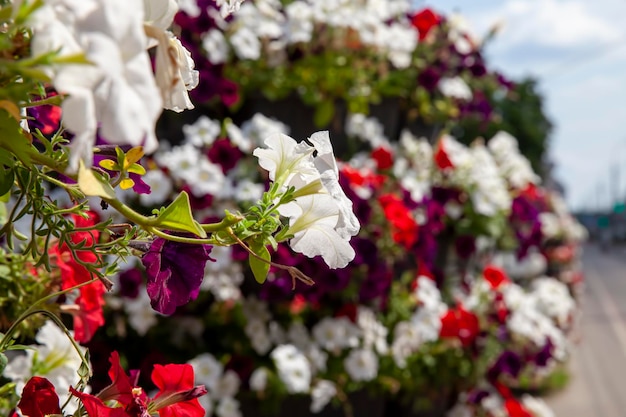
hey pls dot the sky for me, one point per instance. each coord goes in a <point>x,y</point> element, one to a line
<point>577,51</point>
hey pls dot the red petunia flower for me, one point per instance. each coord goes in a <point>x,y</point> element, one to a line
<point>89,316</point>
<point>177,394</point>
<point>383,158</point>
<point>39,398</point>
<point>461,324</point>
<point>495,276</point>
<point>515,409</point>
<point>441,157</point>
<point>404,227</point>
<point>424,21</point>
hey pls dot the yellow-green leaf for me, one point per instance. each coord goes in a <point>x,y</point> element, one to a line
<point>109,164</point>
<point>10,107</point>
<point>92,184</point>
<point>137,169</point>
<point>127,183</point>
<point>260,267</point>
<point>177,216</point>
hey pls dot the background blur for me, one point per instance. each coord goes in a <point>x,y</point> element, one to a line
<point>577,51</point>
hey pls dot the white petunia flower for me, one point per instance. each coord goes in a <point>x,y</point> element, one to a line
<point>321,393</point>
<point>227,386</point>
<point>361,365</point>
<point>455,87</point>
<point>54,358</point>
<point>246,44</point>
<point>335,334</point>
<point>374,333</point>
<point>228,407</point>
<point>205,178</point>
<point>284,159</point>
<point>141,315</point>
<point>293,368</point>
<point>215,46</point>
<point>202,132</point>
<point>161,188</point>
<point>258,379</point>
<point>207,370</point>
<point>312,222</point>
<point>116,93</point>
<point>428,294</point>
<point>190,7</point>
<point>325,162</point>
<point>228,6</point>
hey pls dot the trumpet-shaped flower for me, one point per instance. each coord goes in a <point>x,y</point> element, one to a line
<point>325,162</point>
<point>285,159</point>
<point>116,91</point>
<point>312,222</point>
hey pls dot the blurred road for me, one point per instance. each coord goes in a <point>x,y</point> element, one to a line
<point>598,366</point>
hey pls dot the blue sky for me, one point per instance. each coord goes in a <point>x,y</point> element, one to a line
<point>577,50</point>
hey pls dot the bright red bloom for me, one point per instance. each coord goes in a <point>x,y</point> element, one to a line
<point>404,227</point>
<point>424,21</point>
<point>39,398</point>
<point>177,395</point>
<point>177,392</point>
<point>441,157</point>
<point>91,299</point>
<point>495,276</point>
<point>460,323</point>
<point>383,158</point>
<point>515,409</point>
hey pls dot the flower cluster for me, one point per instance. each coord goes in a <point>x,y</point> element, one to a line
<point>312,50</point>
<point>428,305</point>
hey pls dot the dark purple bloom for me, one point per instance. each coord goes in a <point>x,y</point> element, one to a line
<point>508,363</point>
<point>175,272</point>
<point>429,79</point>
<point>224,153</point>
<point>130,281</point>
<point>465,246</point>
<point>545,354</point>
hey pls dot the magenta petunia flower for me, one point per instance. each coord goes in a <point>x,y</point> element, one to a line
<point>175,272</point>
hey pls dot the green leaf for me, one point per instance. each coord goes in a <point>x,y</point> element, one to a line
<point>7,176</point>
<point>177,216</point>
<point>92,184</point>
<point>12,139</point>
<point>324,113</point>
<point>3,362</point>
<point>260,267</point>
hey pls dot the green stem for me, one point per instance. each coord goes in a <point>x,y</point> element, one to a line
<point>180,239</point>
<point>132,215</point>
<point>229,220</point>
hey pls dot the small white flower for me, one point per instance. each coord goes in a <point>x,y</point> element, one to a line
<point>321,393</point>
<point>361,365</point>
<point>246,44</point>
<point>248,191</point>
<point>215,46</point>
<point>335,334</point>
<point>207,370</point>
<point>228,407</point>
<point>141,315</point>
<point>298,335</point>
<point>427,323</point>
<point>206,178</point>
<point>258,379</point>
<point>227,386</point>
<point>190,7</point>
<point>455,87</point>
<point>284,159</point>
<point>293,368</point>
<point>427,293</point>
<point>228,6</point>
<point>161,188</point>
<point>202,132</point>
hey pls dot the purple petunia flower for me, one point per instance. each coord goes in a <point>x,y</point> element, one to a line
<point>175,272</point>
<point>224,153</point>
